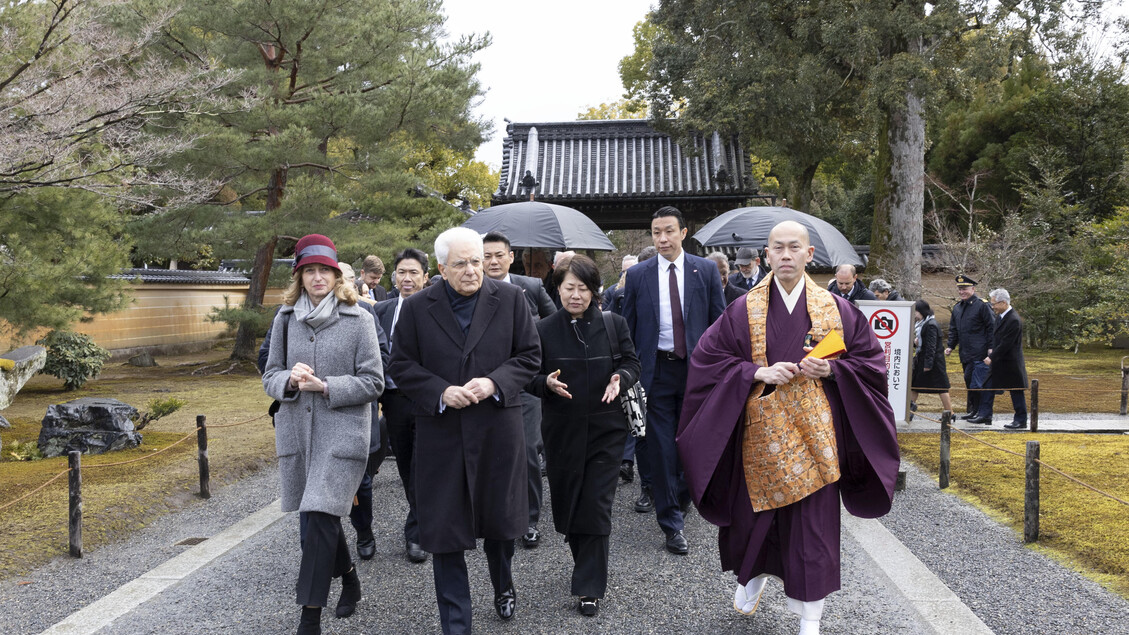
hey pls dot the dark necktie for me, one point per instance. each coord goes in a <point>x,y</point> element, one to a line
<point>676,316</point>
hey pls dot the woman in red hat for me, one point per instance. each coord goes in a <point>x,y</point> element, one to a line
<point>324,368</point>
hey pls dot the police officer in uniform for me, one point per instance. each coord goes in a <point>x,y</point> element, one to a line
<point>971,328</point>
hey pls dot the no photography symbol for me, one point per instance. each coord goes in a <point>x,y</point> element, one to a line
<point>884,323</point>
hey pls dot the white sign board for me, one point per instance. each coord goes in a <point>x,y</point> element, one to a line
<point>892,323</point>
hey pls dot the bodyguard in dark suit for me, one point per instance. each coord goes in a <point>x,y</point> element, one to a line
<point>972,328</point>
<point>1007,368</point>
<point>462,352</point>
<point>669,302</point>
<point>496,264</point>
<point>410,267</point>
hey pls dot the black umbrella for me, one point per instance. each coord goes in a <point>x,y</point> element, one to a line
<point>749,227</point>
<point>541,225</point>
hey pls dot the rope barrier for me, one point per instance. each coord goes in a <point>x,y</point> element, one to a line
<point>53,479</point>
<point>142,458</point>
<point>1039,461</point>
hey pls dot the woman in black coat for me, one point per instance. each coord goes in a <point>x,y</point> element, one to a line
<point>929,373</point>
<point>583,425</point>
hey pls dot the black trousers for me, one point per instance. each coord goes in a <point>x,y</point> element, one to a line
<point>452,585</point>
<point>590,564</point>
<point>360,516</point>
<point>402,435</point>
<point>324,557</point>
<point>531,423</point>
<point>664,404</point>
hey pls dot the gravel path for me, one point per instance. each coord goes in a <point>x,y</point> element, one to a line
<point>250,590</point>
<point>1013,589</point>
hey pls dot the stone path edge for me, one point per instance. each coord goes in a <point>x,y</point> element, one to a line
<point>130,595</point>
<point>937,607</point>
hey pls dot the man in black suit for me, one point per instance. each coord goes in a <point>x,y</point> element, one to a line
<point>732,291</point>
<point>372,270</point>
<point>669,302</point>
<point>462,353</point>
<point>749,271</point>
<point>410,268</point>
<point>1006,368</point>
<point>846,284</point>
<point>498,257</point>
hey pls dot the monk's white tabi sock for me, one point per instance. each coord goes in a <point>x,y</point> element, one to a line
<point>748,596</point>
<point>809,613</point>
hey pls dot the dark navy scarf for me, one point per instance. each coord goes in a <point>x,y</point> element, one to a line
<point>462,305</point>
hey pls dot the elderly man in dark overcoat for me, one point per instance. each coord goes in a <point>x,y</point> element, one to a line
<point>462,352</point>
<point>1006,368</point>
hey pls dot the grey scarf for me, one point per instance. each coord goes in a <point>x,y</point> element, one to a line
<point>917,331</point>
<point>315,317</point>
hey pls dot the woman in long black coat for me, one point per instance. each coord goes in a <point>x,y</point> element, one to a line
<point>929,373</point>
<point>583,425</point>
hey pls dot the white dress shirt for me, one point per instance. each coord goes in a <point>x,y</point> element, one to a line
<point>790,299</point>
<point>666,323</point>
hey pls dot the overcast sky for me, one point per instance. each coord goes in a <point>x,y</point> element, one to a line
<point>549,60</point>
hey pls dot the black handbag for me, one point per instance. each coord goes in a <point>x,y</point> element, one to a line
<point>633,400</point>
<point>276,404</point>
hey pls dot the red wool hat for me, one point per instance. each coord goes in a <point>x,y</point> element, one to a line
<point>315,248</point>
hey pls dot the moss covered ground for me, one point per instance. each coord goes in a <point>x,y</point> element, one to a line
<point>1078,527</point>
<point>120,500</point>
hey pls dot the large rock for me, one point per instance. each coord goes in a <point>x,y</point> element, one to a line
<point>89,425</point>
<point>16,367</point>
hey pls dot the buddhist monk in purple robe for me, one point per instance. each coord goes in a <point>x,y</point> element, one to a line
<point>798,542</point>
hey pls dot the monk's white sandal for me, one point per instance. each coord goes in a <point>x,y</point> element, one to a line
<point>748,596</point>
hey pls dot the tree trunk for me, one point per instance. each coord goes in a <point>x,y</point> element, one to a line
<point>245,337</point>
<point>896,237</point>
<point>802,187</point>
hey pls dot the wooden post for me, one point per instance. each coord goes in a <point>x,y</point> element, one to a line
<point>946,440</point>
<point>74,522</point>
<point>202,456</point>
<point>1124,387</point>
<point>1034,405</point>
<point>1031,494</point>
<point>900,483</point>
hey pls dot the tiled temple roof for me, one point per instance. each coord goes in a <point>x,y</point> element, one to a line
<point>620,159</point>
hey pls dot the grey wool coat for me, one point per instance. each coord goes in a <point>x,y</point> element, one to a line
<point>323,442</point>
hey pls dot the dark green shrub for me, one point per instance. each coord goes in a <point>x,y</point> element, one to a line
<point>72,357</point>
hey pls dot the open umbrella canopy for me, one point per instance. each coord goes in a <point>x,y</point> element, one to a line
<point>541,225</point>
<point>749,227</point>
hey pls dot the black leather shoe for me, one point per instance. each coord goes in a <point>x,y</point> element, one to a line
<point>983,420</point>
<point>966,417</point>
<point>505,603</point>
<point>1016,425</point>
<point>366,545</point>
<point>350,593</point>
<point>627,471</point>
<point>676,544</point>
<point>589,607</point>
<point>646,503</point>
<point>531,539</point>
<point>415,552</point>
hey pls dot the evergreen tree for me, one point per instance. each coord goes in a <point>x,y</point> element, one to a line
<point>339,90</point>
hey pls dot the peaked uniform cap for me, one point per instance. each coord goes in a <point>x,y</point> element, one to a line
<point>965,281</point>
